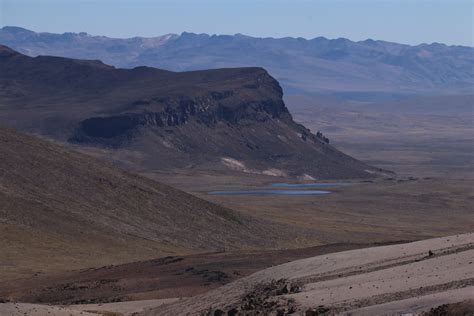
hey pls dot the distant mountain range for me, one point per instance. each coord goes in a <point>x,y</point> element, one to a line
<point>315,66</point>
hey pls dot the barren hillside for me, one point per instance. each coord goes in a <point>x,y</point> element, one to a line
<point>61,209</point>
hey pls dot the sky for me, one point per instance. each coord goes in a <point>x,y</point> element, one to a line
<point>404,21</point>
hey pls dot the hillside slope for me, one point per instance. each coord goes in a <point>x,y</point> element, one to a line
<point>62,209</point>
<point>396,279</point>
<point>303,66</point>
<point>215,119</point>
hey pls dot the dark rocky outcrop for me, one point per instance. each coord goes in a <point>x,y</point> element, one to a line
<point>220,119</point>
<point>116,130</point>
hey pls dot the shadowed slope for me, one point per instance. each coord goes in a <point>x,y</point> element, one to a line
<point>58,205</point>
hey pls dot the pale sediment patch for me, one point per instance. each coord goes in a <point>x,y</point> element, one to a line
<point>306,177</point>
<point>234,164</point>
<point>237,165</point>
<point>274,172</point>
<point>282,138</point>
<point>167,144</point>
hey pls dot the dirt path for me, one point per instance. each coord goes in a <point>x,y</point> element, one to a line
<point>122,308</point>
<point>22,309</point>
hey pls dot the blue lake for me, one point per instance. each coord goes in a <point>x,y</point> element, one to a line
<point>270,192</point>
<point>279,189</point>
<point>308,185</point>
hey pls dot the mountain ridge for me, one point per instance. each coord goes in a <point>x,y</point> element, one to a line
<point>303,66</point>
<point>18,29</point>
<point>231,118</point>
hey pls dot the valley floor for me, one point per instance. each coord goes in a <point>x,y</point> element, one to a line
<point>425,137</point>
<point>379,210</point>
<point>389,279</point>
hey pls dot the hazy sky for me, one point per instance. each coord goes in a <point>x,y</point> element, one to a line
<point>404,21</point>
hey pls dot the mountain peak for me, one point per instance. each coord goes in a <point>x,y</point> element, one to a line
<point>15,29</point>
<point>191,34</point>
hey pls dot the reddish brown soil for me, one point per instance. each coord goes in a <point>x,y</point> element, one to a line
<point>159,278</point>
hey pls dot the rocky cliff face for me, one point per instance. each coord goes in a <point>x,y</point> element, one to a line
<point>210,109</point>
<point>215,119</point>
